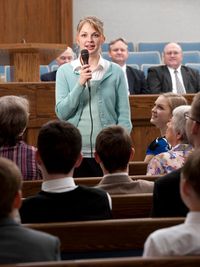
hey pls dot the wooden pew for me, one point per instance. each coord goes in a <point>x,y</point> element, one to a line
<point>175,261</point>
<point>42,101</point>
<point>34,186</point>
<point>137,167</point>
<point>132,205</point>
<point>105,235</point>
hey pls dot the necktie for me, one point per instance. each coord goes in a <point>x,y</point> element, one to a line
<point>179,86</point>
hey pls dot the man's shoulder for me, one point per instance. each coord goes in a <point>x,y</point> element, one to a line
<point>189,70</point>
<point>159,68</point>
<point>49,76</point>
<point>172,177</point>
<point>25,233</point>
<point>134,70</point>
<point>91,190</point>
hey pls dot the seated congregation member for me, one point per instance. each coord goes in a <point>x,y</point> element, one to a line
<point>59,153</point>
<point>14,116</point>
<point>18,243</point>
<point>166,197</point>
<point>65,57</point>
<point>161,113</point>
<point>173,159</point>
<point>113,152</point>
<point>183,239</point>
<point>173,76</point>
<point>135,79</point>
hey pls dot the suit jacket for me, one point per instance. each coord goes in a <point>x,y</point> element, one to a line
<point>123,184</point>
<point>49,76</point>
<point>136,81</point>
<point>167,201</point>
<point>159,79</point>
<point>21,244</point>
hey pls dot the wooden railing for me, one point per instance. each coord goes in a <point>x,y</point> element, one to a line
<point>42,101</point>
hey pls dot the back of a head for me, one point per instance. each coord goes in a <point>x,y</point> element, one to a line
<point>175,100</point>
<point>191,171</point>
<point>114,146</point>
<point>59,145</point>
<point>10,184</point>
<point>14,114</point>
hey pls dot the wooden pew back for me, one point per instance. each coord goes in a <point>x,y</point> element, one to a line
<point>104,235</point>
<point>175,261</point>
<point>137,167</point>
<point>131,205</point>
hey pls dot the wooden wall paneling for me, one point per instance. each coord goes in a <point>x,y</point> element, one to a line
<point>46,21</point>
<point>66,21</point>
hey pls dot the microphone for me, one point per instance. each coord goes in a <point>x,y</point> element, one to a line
<point>85,58</point>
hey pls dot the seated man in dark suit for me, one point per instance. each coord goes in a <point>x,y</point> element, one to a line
<point>166,197</point>
<point>173,77</point>
<point>135,79</point>
<point>59,153</point>
<point>65,57</point>
<point>18,243</point>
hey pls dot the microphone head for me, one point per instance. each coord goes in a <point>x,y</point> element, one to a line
<point>85,56</point>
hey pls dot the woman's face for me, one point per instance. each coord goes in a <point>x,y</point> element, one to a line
<point>161,112</point>
<point>90,39</point>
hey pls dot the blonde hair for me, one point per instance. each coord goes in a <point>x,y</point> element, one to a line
<point>175,100</point>
<point>94,22</point>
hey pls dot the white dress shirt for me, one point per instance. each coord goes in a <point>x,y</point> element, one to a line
<point>171,70</point>
<point>179,240</point>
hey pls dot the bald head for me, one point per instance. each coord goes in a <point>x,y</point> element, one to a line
<point>173,55</point>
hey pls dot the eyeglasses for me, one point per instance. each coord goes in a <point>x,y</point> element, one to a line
<point>187,116</point>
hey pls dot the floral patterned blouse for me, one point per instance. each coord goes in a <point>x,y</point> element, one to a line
<point>169,161</point>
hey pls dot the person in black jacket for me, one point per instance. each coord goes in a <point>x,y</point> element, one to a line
<point>59,153</point>
<point>65,57</point>
<point>166,196</point>
<point>162,79</point>
<point>135,79</point>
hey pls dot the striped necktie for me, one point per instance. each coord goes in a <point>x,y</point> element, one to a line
<point>179,86</point>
